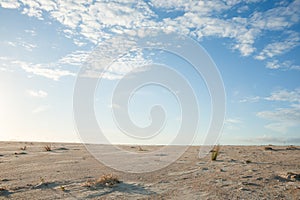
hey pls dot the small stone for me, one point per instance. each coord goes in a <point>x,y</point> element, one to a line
<point>244,189</point>
<point>247,176</point>
<point>250,184</point>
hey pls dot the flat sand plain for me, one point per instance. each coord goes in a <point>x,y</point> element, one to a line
<point>240,172</point>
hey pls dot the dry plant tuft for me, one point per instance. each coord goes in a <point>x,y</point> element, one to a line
<point>140,148</point>
<point>48,148</point>
<point>88,183</point>
<point>42,183</point>
<point>291,147</point>
<point>268,148</point>
<point>105,180</point>
<point>108,180</point>
<point>23,148</point>
<point>4,191</point>
<point>42,180</point>
<point>215,152</point>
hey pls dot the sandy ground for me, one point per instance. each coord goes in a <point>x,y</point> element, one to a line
<point>240,172</point>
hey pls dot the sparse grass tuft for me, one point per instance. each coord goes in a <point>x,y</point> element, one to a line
<point>42,180</point>
<point>215,152</point>
<point>48,148</point>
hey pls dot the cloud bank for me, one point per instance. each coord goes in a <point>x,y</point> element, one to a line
<point>97,21</point>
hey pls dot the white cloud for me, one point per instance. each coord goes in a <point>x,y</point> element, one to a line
<point>242,9</point>
<point>119,67</point>
<point>47,5</point>
<point>28,46</point>
<point>12,4</point>
<point>286,65</point>
<point>54,74</point>
<point>37,93</point>
<point>76,58</point>
<point>282,114</point>
<point>116,66</point>
<point>79,43</point>
<point>232,123</point>
<point>109,61</point>
<point>97,21</point>
<point>127,63</point>
<point>278,48</point>
<point>202,7</point>
<point>278,18</point>
<point>273,64</point>
<point>31,32</point>
<point>31,12</point>
<point>250,99</point>
<point>44,70</point>
<point>283,118</point>
<point>41,109</point>
<point>19,43</point>
<point>285,95</point>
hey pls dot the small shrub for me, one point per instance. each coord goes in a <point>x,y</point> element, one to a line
<point>48,148</point>
<point>215,152</point>
<point>248,161</point>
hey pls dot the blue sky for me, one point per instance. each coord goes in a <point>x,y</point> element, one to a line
<point>254,44</point>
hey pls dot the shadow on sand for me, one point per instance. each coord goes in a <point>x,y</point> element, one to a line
<point>122,188</point>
